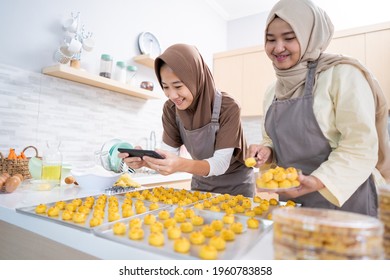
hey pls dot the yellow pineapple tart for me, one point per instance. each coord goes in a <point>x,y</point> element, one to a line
<point>278,178</point>
<point>181,245</point>
<point>250,162</point>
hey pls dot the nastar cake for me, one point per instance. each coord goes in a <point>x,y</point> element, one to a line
<point>189,213</point>
<point>127,212</point>
<point>53,211</point>
<point>181,245</point>
<point>253,223</point>
<point>140,209</point>
<point>60,204</point>
<point>136,233</point>
<point>136,222</point>
<point>208,231</point>
<point>79,217</point>
<point>180,217</point>
<point>113,216</point>
<point>163,215</point>
<point>67,215</point>
<point>218,242</point>
<point>157,227</point>
<point>119,228</point>
<point>197,220</point>
<point>156,239</point>
<point>217,225</point>
<point>237,227</point>
<point>40,209</point>
<point>174,232</point>
<point>228,218</point>
<point>228,234</point>
<point>197,237</point>
<point>71,207</point>
<point>77,201</point>
<point>153,206</point>
<point>169,223</point>
<point>208,252</point>
<point>186,227</point>
<point>95,221</point>
<point>149,219</point>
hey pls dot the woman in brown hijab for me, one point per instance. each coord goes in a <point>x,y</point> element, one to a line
<point>207,122</point>
<point>326,114</point>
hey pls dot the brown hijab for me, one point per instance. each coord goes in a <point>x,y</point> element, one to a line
<point>188,64</point>
<point>314,31</point>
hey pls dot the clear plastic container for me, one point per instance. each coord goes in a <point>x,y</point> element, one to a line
<point>120,72</point>
<point>131,73</point>
<point>384,216</point>
<point>106,62</point>
<point>309,233</point>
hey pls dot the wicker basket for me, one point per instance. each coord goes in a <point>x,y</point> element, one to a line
<point>15,166</point>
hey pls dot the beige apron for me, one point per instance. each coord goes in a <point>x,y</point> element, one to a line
<point>200,143</point>
<point>299,142</point>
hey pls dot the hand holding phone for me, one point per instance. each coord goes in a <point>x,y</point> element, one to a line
<point>140,153</point>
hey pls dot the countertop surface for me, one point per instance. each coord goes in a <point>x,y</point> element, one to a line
<point>88,242</point>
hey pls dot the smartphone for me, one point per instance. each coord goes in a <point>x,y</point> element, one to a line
<point>140,153</point>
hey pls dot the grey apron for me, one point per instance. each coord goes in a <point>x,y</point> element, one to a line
<point>200,143</point>
<point>299,142</point>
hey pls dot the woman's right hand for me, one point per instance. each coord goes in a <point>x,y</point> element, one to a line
<point>261,153</point>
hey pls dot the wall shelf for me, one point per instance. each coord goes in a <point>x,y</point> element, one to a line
<point>144,59</point>
<point>80,76</point>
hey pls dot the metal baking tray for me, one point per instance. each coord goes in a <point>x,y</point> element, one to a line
<point>234,249</point>
<point>30,210</point>
<point>264,215</point>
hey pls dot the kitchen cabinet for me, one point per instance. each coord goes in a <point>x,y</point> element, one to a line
<point>246,73</point>
<point>378,58</point>
<point>80,76</point>
<point>353,46</point>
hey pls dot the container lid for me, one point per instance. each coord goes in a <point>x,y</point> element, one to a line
<point>314,217</point>
<point>384,190</point>
<point>121,64</point>
<point>106,57</point>
<point>132,68</point>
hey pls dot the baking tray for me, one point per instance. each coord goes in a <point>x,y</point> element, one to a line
<point>234,249</point>
<point>30,210</point>
<point>265,213</point>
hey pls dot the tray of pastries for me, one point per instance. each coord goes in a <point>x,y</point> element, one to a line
<point>186,232</point>
<point>243,206</point>
<point>87,212</point>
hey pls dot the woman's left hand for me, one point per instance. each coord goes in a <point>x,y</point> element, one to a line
<point>309,184</point>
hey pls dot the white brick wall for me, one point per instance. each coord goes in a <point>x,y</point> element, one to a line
<point>36,107</point>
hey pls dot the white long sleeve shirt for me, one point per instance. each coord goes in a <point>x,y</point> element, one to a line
<point>219,162</point>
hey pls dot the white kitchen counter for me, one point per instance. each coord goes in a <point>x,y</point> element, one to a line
<point>86,242</point>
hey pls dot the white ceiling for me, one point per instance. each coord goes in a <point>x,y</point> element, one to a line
<point>234,9</point>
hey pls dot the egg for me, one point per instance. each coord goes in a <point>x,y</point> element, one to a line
<point>20,176</point>
<point>69,180</point>
<point>11,184</point>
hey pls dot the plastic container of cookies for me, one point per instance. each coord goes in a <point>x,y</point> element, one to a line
<point>384,216</point>
<point>309,233</point>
